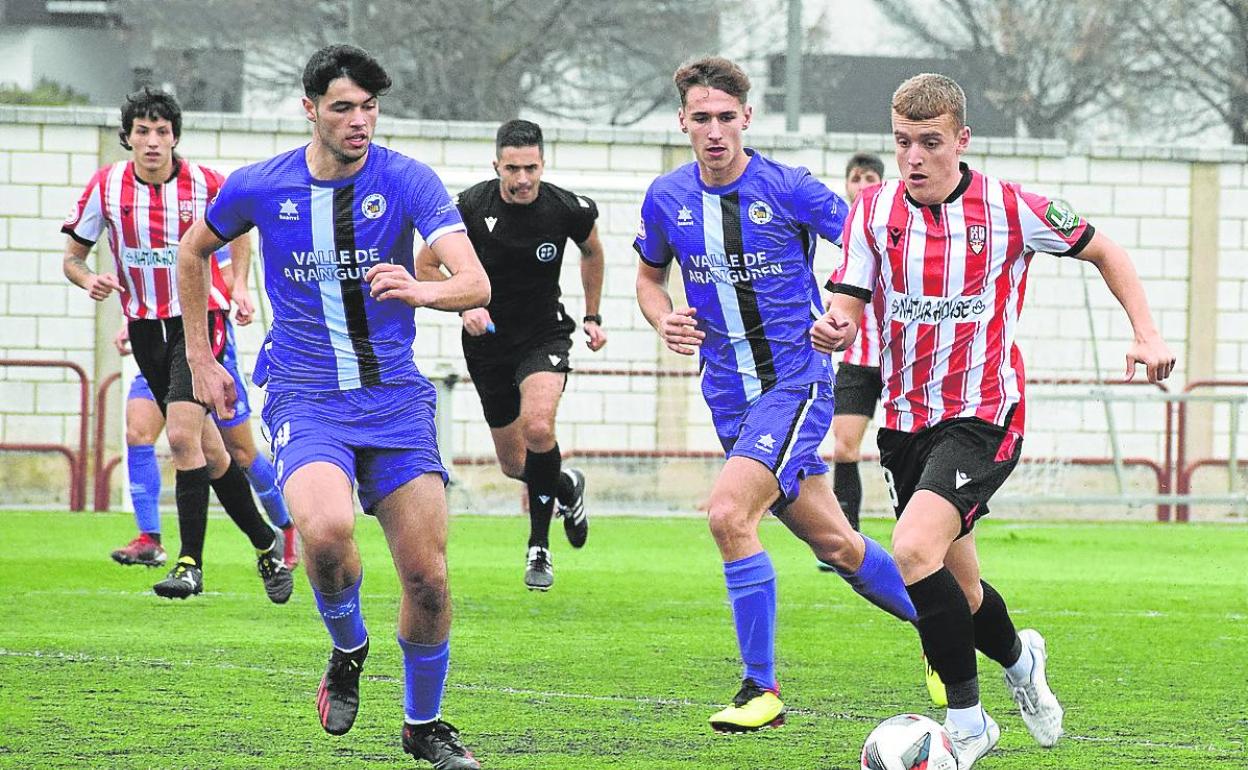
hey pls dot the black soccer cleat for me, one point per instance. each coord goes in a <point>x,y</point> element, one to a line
<point>338,697</point>
<point>185,579</point>
<point>575,522</point>
<point>278,582</point>
<point>438,742</point>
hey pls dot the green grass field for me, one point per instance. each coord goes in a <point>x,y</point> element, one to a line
<point>620,665</point>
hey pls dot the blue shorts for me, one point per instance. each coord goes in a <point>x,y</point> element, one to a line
<point>229,359</point>
<point>782,430</point>
<point>381,436</point>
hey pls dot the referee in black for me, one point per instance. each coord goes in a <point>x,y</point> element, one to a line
<point>517,347</point>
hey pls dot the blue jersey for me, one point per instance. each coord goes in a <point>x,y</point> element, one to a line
<point>318,239</point>
<point>746,252</point>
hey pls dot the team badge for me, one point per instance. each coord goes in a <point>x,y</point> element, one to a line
<point>546,252</point>
<point>186,211</point>
<point>1062,217</point>
<point>373,206</point>
<point>976,235</point>
<point>760,213</point>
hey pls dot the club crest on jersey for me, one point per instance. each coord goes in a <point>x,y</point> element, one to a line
<point>373,206</point>
<point>684,217</point>
<point>289,211</point>
<point>976,236</point>
<point>760,212</point>
<point>1062,217</point>
<point>186,211</point>
<point>547,252</point>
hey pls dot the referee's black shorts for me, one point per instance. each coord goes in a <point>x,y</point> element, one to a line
<point>498,366</point>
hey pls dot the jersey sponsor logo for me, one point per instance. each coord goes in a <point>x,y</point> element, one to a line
<point>289,211</point>
<point>447,207</point>
<point>1062,217</point>
<point>960,480</point>
<point>186,210</point>
<point>166,257</point>
<point>766,442</point>
<point>373,206</point>
<point>547,252</point>
<point>490,222</point>
<point>976,236</point>
<point>684,217</point>
<point>730,268</point>
<point>332,265</point>
<point>933,310</point>
<point>759,212</point>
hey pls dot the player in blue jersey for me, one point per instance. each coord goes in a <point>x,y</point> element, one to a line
<point>345,402</point>
<point>743,228</point>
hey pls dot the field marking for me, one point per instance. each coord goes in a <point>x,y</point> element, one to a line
<point>312,676</point>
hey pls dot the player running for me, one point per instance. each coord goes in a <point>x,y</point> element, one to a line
<point>949,248</point>
<point>517,348</point>
<point>147,203</point>
<point>742,228</point>
<point>345,402</point>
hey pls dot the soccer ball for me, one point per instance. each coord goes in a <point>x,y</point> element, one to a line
<point>908,742</point>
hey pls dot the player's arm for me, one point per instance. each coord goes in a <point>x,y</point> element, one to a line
<point>213,385</point>
<point>677,327</point>
<point>836,329</point>
<point>238,278</point>
<point>74,264</point>
<point>593,266</point>
<point>1120,276</point>
<point>428,266</point>
<point>467,287</point>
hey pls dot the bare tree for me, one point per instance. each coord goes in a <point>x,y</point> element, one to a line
<point>462,59</point>
<point>1043,61</point>
<point>1193,53</point>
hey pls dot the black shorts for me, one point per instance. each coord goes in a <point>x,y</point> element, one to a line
<point>498,368</point>
<point>965,461</point>
<point>856,390</point>
<point>159,347</point>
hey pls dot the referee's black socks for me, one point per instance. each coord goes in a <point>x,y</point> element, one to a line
<point>541,473</point>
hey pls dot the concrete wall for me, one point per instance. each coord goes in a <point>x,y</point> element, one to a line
<point>1141,196</point>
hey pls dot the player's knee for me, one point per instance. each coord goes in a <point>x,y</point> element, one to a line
<point>242,455</point>
<point>914,555</point>
<point>326,538</point>
<point>538,432</point>
<point>139,436</point>
<point>426,588</point>
<point>728,522</point>
<point>182,440</point>
<point>846,451</point>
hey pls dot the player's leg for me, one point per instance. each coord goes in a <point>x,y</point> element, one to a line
<point>1022,655</point>
<point>742,492</point>
<point>848,430</point>
<point>241,445</point>
<point>318,489</point>
<point>144,422</point>
<point>816,518</point>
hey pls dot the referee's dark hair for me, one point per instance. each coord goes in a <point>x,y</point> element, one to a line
<point>149,104</point>
<point>336,61</point>
<point>866,161</point>
<point>519,133</point>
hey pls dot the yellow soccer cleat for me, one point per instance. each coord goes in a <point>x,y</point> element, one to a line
<point>752,709</point>
<point>935,687</point>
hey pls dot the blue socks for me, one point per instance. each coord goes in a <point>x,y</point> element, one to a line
<point>752,591</point>
<point>144,486</point>
<point>424,670</point>
<point>342,616</point>
<point>263,479</point>
<point>879,582</point>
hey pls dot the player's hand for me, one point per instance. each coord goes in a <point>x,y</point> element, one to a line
<point>478,321</point>
<point>100,285</point>
<point>680,331</point>
<point>597,336</point>
<point>833,332</point>
<point>121,340</point>
<point>214,387</point>
<point>244,306</point>
<point>391,281</point>
<point>1154,354</point>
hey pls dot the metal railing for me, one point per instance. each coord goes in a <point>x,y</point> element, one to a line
<point>77,458</point>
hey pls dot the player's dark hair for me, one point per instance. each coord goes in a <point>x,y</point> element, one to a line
<point>336,61</point>
<point>928,96</point>
<point>712,72</point>
<point>519,133</point>
<point>866,161</point>
<point>149,104</point>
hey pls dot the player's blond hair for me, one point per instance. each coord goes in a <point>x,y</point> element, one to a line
<point>928,96</point>
<point>712,72</point>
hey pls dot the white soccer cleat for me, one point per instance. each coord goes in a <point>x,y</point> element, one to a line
<point>1041,712</point>
<point>970,748</point>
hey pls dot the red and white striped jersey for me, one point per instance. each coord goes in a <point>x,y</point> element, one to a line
<point>953,278</point>
<point>144,225</point>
